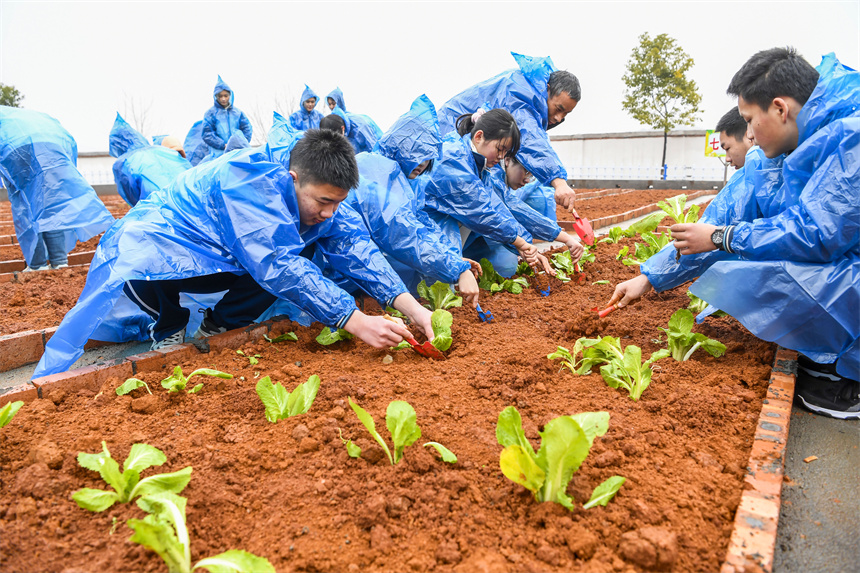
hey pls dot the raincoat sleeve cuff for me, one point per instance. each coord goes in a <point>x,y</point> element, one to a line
<point>342,322</point>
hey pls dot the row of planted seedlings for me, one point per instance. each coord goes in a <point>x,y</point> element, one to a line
<point>565,440</point>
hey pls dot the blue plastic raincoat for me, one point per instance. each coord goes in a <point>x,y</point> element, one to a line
<point>337,95</point>
<point>141,168</point>
<point>387,203</point>
<point>539,225</point>
<point>523,93</point>
<point>195,148</point>
<point>219,123</point>
<point>302,120</point>
<point>797,281</point>
<point>38,161</point>
<point>236,214</point>
<point>361,131</point>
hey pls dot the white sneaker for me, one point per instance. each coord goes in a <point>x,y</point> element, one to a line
<point>63,266</point>
<point>172,340</point>
<point>33,269</point>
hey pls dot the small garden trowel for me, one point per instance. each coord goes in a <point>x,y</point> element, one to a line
<point>485,316</point>
<point>584,230</point>
<point>427,349</point>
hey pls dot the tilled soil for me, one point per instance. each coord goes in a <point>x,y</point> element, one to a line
<point>625,200</point>
<point>289,492</point>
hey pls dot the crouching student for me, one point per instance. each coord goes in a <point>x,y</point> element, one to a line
<point>466,208</point>
<point>53,207</point>
<point>141,168</point>
<point>796,281</point>
<point>307,117</point>
<point>240,223</point>
<point>223,119</point>
<point>361,131</point>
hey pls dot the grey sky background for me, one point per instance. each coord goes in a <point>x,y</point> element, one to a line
<point>81,62</point>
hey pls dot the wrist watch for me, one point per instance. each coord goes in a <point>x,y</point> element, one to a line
<point>717,238</point>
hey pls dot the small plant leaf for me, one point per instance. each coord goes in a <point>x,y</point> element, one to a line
<point>400,418</point>
<point>173,482</point>
<point>131,384</point>
<point>8,411</point>
<point>287,336</point>
<point>235,561</point>
<point>209,372</point>
<point>302,398</point>
<point>441,321</point>
<point>519,466</point>
<point>274,398</point>
<point>594,424</point>
<point>196,389</point>
<point>605,492</point>
<point>328,336</point>
<point>600,283</point>
<point>447,455</point>
<point>95,499</point>
<point>368,422</point>
<point>143,456</point>
<point>509,430</point>
<point>352,449</point>
<point>439,295</point>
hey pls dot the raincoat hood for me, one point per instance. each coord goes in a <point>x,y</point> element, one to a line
<point>222,85</point>
<point>337,96</point>
<point>278,119</point>
<point>307,94</point>
<point>124,138</point>
<point>836,96</point>
<point>537,72</point>
<point>414,137</point>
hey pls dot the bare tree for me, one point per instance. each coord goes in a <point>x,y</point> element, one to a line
<point>136,111</point>
<point>261,118</point>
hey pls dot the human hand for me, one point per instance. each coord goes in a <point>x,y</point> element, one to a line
<point>376,330</point>
<point>477,269</point>
<point>417,313</point>
<point>693,238</point>
<point>468,287</point>
<point>630,291</point>
<point>564,195</point>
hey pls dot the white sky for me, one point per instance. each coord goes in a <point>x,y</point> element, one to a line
<point>81,62</point>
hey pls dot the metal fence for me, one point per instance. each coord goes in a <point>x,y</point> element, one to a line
<point>624,172</point>
<point>98,177</point>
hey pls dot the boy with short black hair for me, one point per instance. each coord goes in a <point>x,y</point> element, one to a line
<point>733,137</point>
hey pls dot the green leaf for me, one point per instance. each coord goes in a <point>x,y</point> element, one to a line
<point>439,295</point>
<point>159,537</point>
<point>447,455</point>
<point>175,382</point>
<point>489,276</point>
<point>509,430</point>
<point>94,499</point>
<point>713,347</point>
<point>519,466</point>
<point>563,261</point>
<point>394,312</point>
<point>645,225</point>
<point>291,336</point>
<point>605,492</point>
<point>274,398</point>
<point>196,389</point>
<point>131,384</point>
<point>173,482</point>
<point>302,398</point>
<point>600,283</point>
<point>401,421</point>
<point>253,361</point>
<point>143,456</point>
<point>441,321</point>
<point>368,422</point>
<point>567,360</point>
<point>235,561</point>
<point>328,336</point>
<point>352,449</point>
<point>8,411</point>
<point>563,448</point>
<point>209,372</point>
<point>403,344</point>
<point>594,424</point>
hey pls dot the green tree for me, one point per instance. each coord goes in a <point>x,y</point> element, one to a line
<point>10,96</point>
<point>658,92</point>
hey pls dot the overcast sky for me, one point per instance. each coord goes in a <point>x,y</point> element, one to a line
<point>81,62</point>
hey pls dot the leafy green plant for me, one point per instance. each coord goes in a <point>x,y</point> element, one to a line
<point>644,251</point>
<point>494,282</point>
<point>682,342</point>
<point>441,321</point>
<point>615,235</point>
<point>447,455</point>
<point>400,418</point>
<point>523,268</point>
<point>8,411</point>
<point>131,384</point>
<point>287,336</point>
<point>439,295</point>
<point>647,224</point>
<point>165,532</point>
<point>698,305</point>
<point>127,484</point>
<point>675,206</point>
<point>328,336</point>
<point>600,283</point>
<point>281,404</point>
<point>394,312</point>
<point>594,351</point>
<point>253,360</point>
<point>177,381</point>
<point>565,443</point>
<point>352,449</point>
<point>605,492</point>
<point>630,372</point>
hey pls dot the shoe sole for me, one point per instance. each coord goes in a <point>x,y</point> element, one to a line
<point>829,413</point>
<point>817,374</point>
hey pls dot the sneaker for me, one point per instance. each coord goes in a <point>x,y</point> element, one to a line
<point>172,340</point>
<point>62,266</point>
<point>833,398</point>
<point>33,269</point>
<point>207,326</point>
<point>816,369</point>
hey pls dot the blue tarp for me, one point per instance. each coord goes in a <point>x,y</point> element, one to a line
<point>195,148</point>
<point>361,131</point>
<point>523,93</point>
<point>38,161</point>
<point>124,138</point>
<point>219,123</point>
<point>303,120</point>
<point>797,284</point>
<point>239,214</point>
<point>337,95</point>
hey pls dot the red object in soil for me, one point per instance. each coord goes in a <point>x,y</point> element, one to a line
<point>584,230</point>
<point>427,349</point>
<point>605,311</point>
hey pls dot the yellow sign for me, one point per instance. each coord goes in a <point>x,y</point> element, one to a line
<point>712,144</point>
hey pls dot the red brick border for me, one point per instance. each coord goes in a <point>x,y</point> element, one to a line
<point>621,217</point>
<point>74,259</point>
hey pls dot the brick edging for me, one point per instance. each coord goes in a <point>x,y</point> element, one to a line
<point>626,216</point>
<point>74,259</point>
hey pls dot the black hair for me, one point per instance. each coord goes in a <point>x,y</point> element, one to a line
<point>733,124</point>
<point>778,72</point>
<point>325,157</point>
<point>564,81</point>
<point>497,124</point>
<point>333,122</point>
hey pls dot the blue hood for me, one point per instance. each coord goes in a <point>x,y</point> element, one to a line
<point>278,119</point>
<point>222,85</point>
<point>836,96</point>
<point>124,138</point>
<point>307,94</point>
<point>337,96</point>
<point>414,137</point>
<point>537,72</point>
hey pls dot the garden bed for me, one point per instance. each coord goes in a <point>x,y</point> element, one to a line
<point>620,201</point>
<point>289,492</point>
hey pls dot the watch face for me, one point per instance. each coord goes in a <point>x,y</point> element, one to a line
<point>717,237</point>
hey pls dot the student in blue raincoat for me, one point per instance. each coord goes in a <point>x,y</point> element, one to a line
<point>53,207</point>
<point>307,117</point>
<point>240,223</point>
<point>223,119</point>
<point>335,99</point>
<point>465,207</point>
<point>539,97</point>
<point>361,131</point>
<point>142,168</point>
<point>796,281</point>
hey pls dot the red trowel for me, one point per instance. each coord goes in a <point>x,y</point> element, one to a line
<point>583,229</point>
<point>427,349</point>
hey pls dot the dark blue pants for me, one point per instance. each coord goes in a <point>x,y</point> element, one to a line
<point>244,301</point>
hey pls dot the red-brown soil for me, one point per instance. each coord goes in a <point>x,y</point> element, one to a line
<point>289,492</point>
<point>625,200</point>
<point>32,301</point>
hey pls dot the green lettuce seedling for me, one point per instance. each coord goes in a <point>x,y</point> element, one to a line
<point>682,342</point>
<point>605,492</point>
<point>594,351</point>
<point>675,206</point>
<point>698,305</point>
<point>615,235</point>
<point>281,404</point>
<point>352,449</point>
<point>164,531</point>
<point>439,295</point>
<point>328,336</point>
<point>400,419</point>
<point>523,268</point>
<point>441,321</point>
<point>494,282</point>
<point>127,484</point>
<point>131,384</point>
<point>647,224</point>
<point>252,360</point>
<point>177,381</point>
<point>630,372</point>
<point>8,411</point>
<point>565,443</point>
<point>644,251</point>
<point>287,336</point>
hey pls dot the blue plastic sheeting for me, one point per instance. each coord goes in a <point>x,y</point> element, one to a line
<point>361,131</point>
<point>236,141</point>
<point>303,120</point>
<point>38,165</point>
<point>523,93</point>
<point>337,95</point>
<point>539,197</point>
<point>387,203</point>
<point>236,214</point>
<point>798,283</point>
<point>219,123</point>
<point>539,225</point>
<point>141,168</point>
<point>195,149</point>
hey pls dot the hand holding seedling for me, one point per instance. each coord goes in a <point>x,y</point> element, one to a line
<point>468,287</point>
<point>693,238</point>
<point>377,331</point>
<point>629,291</point>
